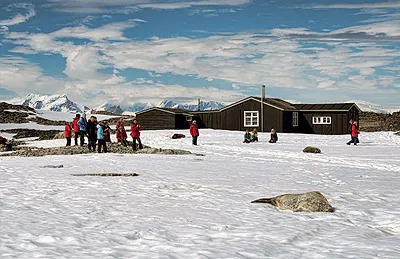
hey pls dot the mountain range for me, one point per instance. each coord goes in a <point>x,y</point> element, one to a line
<point>62,103</point>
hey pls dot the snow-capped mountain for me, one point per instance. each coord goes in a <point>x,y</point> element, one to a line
<point>137,107</point>
<point>110,108</point>
<point>204,106</point>
<point>58,103</point>
<point>371,107</point>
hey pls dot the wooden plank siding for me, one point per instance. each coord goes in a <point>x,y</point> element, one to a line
<point>156,120</point>
<point>339,121</point>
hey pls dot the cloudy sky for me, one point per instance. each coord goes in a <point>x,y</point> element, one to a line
<point>129,51</point>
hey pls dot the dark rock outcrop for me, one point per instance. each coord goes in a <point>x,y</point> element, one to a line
<point>371,121</point>
<point>77,150</point>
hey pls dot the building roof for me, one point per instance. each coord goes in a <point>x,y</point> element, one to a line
<point>168,110</point>
<point>273,102</point>
<point>325,107</point>
<point>278,103</point>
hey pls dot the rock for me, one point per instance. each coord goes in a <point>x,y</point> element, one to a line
<point>312,150</point>
<point>52,166</point>
<point>76,150</point>
<point>107,174</point>
<point>304,202</point>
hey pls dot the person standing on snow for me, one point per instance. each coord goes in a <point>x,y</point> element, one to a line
<point>75,127</point>
<point>82,123</point>
<point>194,131</point>
<point>135,133</point>
<point>68,133</point>
<point>120,132</point>
<point>100,139</point>
<point>91,131</point>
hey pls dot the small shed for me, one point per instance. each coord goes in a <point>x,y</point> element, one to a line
<point>164,118</point>
<point>327,119</point>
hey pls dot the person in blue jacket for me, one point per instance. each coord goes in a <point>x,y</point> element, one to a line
<point>82,123</point>
<point>101,143</point>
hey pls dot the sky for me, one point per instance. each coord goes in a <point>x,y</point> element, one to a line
<point>144,51</point>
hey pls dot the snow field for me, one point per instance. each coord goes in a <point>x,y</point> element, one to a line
<point>199,206</point>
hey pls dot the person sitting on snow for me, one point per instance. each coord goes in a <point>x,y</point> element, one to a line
<point>274,136</point>
<point>247,137</point>
<point>254,135</point>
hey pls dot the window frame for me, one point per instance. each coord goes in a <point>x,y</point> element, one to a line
<point>251,118</point>
<point>322,120</point>
<point>295,119</point>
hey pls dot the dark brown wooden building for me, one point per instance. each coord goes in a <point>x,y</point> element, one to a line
<point>248,114</point>
<point>163,118</point>
<point>327,119</point>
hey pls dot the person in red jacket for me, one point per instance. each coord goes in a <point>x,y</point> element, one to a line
<point>68,133</point>
<point>135,133</point>
<point>194,131</point>
<point>354,134</point>
<point>75,127</point>
<point>120,131</point>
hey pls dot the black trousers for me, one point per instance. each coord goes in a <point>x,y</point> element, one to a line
<point>68,142</point>
<point>76,137</point>
<point>134,147</point>
<point>194,140</point>
<point>92,144</point>
<point>101,144</point>
<point>82,133</point>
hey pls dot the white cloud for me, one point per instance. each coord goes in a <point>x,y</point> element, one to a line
<point>21,76</point>
<point>106,6</point>
<point>19,18</point>
<point>395,4</point>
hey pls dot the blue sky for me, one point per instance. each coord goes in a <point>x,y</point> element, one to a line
<point>131,51</point>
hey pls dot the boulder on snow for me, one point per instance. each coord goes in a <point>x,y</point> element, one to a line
<point>304,202</point>
<point>311,150</point>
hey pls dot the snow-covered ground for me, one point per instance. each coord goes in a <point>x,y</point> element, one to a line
<point>199,206</point>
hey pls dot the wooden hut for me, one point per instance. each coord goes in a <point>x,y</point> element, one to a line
<point>327,119</point>
<point>164,118</point>
<point>246,114</point>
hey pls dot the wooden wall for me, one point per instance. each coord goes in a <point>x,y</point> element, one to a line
<point>156,120</point>
<point>339,123</point>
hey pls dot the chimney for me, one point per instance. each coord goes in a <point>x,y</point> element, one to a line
<point>262,108</point>
<point>263,92</point>
<point>198,105</point>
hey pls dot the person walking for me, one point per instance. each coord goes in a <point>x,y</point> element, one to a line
<point>354,134</point>
<point>91,128</point>
<point>100,139</point>
<point>120,132</point>
<point>194,132</point>
<point>135,133</point>
<point>75,127</point>
<point>82,123</point>
<point>68,133</point>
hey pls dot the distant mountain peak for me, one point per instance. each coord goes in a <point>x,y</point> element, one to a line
<point>55,102</point>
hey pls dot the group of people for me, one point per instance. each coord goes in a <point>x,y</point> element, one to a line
<point>99,133</point>
<point>250,136</point>
<point>253,136</point>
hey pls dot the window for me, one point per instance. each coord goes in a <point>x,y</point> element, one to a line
<point>295,119</point>
<point>189,118</point>
<point>251,118</point>
<point>322,120</point>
